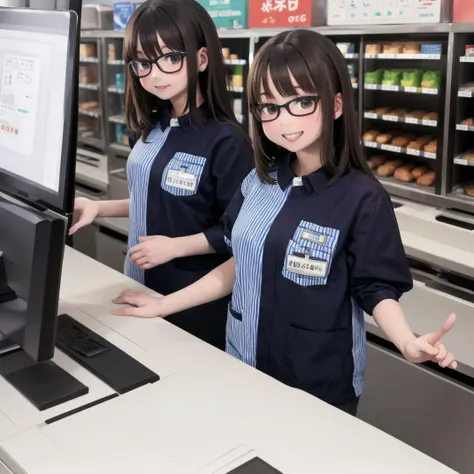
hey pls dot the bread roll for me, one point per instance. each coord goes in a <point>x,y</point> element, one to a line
<point>427,179</point>
<point>411,48</point>
<point>430,116</point>
<point>423,140</point>
<point>431,147</point>
<point>469,189</point>
<point>414,146</point>
<point>419,171</point>
<point>384,138</point>
<point>373,49</point>
<point>375,161</point>
<point>418,114</point>
<point>370,135</point>
<point>398,112</point>
<point>389,168</point>
<point>382,111</point>
<point>404,173</point>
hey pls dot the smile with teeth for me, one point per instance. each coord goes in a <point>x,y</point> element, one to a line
<point>293,136</point>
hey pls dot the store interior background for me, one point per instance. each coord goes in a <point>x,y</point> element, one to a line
<point>414,90</point>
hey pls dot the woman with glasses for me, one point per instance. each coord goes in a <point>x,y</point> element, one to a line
<point>314,238</point>
<point>189,156</point>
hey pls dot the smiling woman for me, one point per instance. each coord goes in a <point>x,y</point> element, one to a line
<point>189,156</point>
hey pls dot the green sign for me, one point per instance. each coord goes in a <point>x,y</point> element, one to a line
<point>227,13</point>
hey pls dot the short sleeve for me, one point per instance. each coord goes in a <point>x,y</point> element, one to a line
<point>232,162</point>
<point>378,264</point>
<point>233,209</point>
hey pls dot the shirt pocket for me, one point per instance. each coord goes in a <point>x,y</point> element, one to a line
<point>309,254</point>
<point>182,174</point>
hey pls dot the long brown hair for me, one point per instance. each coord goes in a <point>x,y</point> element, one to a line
<point>185,26</point>
<point>318,68</point>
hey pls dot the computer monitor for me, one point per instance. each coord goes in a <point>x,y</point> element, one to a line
<point>38,57</point>
<point>38,123</point>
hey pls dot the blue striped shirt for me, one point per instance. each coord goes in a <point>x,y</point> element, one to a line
<point>310,258</point>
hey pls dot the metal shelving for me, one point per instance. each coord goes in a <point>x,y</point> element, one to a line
<point>449,101</point>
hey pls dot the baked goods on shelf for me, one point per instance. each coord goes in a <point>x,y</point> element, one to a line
<point>384,138</point>
<point>394,48</point>
<point>426,179</point>
<point>375,161</point>
<point>370,135</point>
<point>388,168</point>
<point>432,146</point>
<point>469,122</point>
<point>382,110</point>
<point>404,173</point>
<point>417,114</point>
<point>411,48</point>
<point>373,48</point>
<point>469,188</point>
<point>430,116</point>
<point>419,171</point>
<point>468,155</point>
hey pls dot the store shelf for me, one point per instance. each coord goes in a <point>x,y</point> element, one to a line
<point>409,90</point>
<point>115,90</point>
<point>120,150</point>
<point>393,118</point>
<point>464,128</point>
<point>466,94</point>
<point>391,184</point>
<point>116,62</point>
<point>91,87</point>
<point>461,161</point>
<point>467,59</point>
<point>90,113</point>
<point>89,60</point>
<point>421,57</point>
<point>400,150</point>
<point>117,119</point>
<point>93,142</point>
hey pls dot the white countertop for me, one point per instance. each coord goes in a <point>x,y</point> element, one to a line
<point>206,406</point>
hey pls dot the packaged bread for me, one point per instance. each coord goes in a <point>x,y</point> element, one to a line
<point>382,111</point>
<point>394,48</point>
<point>419,171</point>
<point>373,49</point>
<point>427,179</point>
<point>370,135</point>
<point>384,138</point>
<point>417,114</point>
<point>389,168</point>
<point>404,173</point>
<point>469,189</point>
<point>375,161</point>
<point>431,147</point>
<point>411,48</point>
<point>430,116</point>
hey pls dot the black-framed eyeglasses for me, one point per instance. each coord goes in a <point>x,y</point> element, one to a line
<point>168,63</point>
<point>299,107</point>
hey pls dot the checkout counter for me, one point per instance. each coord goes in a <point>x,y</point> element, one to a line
<point>209,412</point>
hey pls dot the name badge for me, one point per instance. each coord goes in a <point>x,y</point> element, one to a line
<point>318,238</point>
<point>181,180</point>
<point>306,266</point>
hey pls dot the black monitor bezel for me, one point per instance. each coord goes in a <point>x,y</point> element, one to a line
<point>63,200</point>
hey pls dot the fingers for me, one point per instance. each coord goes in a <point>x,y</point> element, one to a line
<point>448,361</point>
<point>78,225</point>
<point>131,311</point>
<point>427,348</point>
<point>445,328</point>
<point>122,298</point>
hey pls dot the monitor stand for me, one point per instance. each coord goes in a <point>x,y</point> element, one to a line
<point>44,384</point>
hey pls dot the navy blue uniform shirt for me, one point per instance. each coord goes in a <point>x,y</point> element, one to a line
<point>181,179</point>
<point>310,258</point>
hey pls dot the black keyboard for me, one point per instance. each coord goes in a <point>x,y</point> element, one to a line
<point>70,336</point>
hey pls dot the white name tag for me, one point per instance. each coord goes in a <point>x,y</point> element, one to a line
<point>181,180</point>
<point>306,266</point>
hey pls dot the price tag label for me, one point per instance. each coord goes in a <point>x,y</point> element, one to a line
<point>430,123</point>
<point>370,115</point>
<point>413,152</point>
<point>390,118</point>
<point>396,149</point>
<point>412,120</point>
<point>390,88</point>
<point>371,86</point>
<point>465,94</point>
<point>467,59</point>
<point>371,144</point>
<point>430,155</point>
<point>412,90</point>
<point>428,90</point>
<point>463,128</point>
<point>370,56</point>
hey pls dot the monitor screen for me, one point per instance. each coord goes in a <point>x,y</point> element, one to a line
<point>37,60</point>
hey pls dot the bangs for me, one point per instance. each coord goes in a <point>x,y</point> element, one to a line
<point>280,63</point>
<point>145,30</point>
